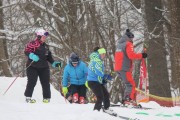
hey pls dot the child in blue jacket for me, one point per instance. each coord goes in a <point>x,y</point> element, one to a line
<point>96,78</point>
<point>75,72</point>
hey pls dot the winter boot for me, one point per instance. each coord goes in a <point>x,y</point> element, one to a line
<point>81,100</point>
<point>29,100</point>
<point>46,100</point>
<point>75,98</point>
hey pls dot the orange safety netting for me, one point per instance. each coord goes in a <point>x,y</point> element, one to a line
<point>163,101</point>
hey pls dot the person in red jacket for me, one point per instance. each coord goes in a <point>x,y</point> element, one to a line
<point>124,57</point>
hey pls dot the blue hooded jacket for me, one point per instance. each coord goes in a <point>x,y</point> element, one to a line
<point>95,68</point>
<point>75,75</point>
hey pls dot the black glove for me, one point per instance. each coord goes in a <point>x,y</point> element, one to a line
<point>104,81</point>
<point>144,55</point>
<point>107,77</point>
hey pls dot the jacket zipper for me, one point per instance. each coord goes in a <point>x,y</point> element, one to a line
<point>76,75</point>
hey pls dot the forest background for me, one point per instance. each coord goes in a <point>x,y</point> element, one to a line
<point>80,25</point>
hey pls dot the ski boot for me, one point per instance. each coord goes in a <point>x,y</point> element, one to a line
<point>29,100</point>
<point>129,103</point>
<point>81,100</point>
<point>46,100</point>
<point>75,98</point>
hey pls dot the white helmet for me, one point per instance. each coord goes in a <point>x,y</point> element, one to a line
<point>42,32</point>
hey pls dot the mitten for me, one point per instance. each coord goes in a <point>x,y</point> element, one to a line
<point>33,57</point>
<point>64,90</point>
<point>57,64</point>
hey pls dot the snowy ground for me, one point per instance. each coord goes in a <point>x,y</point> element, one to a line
<point>13,107</point>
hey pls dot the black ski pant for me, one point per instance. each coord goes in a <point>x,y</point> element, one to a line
<point>80,89</point>
<point>32,76</point>
<point>101,93</point>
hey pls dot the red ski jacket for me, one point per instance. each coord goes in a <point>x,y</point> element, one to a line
<point>125,54</point>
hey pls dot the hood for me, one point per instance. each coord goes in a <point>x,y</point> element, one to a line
<point>123,39</point>
<point>94,56</point>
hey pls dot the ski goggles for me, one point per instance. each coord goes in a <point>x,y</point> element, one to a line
<point>46,34</point>
<point>74,62</point>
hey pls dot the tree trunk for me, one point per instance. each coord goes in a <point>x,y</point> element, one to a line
<point>4,67</point>
<point>159,84</point>
<point>175,43</point>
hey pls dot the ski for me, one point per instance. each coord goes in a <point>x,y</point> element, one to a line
<point>126,118</point>
<point>120,116</point>
<point>135,107</point>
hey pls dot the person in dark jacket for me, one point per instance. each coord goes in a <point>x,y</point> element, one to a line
<point>124,57</point>
<point>38,54</point>
<point>75,72</point>
<point>96,78</point>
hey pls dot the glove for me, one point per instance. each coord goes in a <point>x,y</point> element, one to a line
<point>56,64</point>
<point>107,77</point>
<point>33,57</point>
<point>64,90</point>
<point>144,55</point>
<point>86,84</point>
<point>104,81</point>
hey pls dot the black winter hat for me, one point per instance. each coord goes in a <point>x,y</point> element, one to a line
<point>74,57</point>
<point>96,49</point>
<point>129,34</point>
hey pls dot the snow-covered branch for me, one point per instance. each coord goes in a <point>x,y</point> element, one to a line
<point>14,35</point>
<point>137,10</point>
<point>12,4</point>
<point>50,12</point>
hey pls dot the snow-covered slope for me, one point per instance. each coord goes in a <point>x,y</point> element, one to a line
<point>13,107</point>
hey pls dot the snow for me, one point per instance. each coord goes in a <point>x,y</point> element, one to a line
<point>13,106</point>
